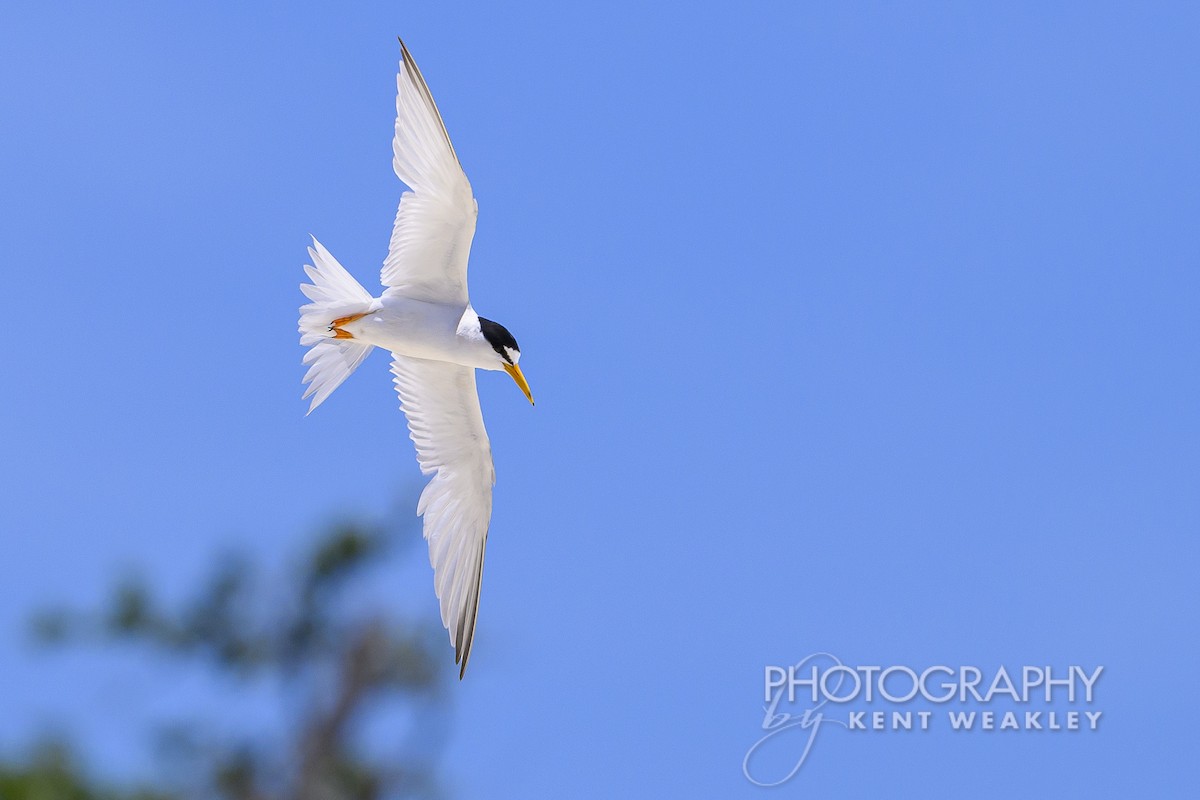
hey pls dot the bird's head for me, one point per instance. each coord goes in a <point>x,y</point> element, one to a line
<point>507,352</point>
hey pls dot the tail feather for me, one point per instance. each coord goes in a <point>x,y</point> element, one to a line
<point>334,293</point>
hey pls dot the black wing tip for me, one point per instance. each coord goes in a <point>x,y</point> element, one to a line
<point>466,624</point>
<point>462,646</point>
<point>461,655</point>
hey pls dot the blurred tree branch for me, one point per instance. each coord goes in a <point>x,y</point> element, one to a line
<point>338,666</point>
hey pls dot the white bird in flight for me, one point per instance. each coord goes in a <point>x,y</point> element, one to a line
<point>436,339</point>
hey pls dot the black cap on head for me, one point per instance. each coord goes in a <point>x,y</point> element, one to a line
<point>498,337</point>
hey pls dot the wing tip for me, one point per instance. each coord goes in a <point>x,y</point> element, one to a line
<point>462,652</point>
<point>410,70</point>
<point>466,623</point>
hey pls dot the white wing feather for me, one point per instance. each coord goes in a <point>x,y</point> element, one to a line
<point>431,239</point>
<point>446,424</point>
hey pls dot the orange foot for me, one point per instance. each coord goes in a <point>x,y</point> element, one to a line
<point>335,327</point>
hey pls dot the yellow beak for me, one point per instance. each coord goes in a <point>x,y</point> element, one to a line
<point>515,371</point>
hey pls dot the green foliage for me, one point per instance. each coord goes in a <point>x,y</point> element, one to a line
<point>237,624</point>
<point>51,774</point>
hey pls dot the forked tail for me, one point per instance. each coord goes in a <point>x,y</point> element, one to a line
<point>334,294</point>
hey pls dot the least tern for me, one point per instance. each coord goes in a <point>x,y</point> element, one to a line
<point>436,339</point>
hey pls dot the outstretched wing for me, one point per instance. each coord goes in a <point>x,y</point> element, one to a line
<point>431,239</point>
<point>445,422</point>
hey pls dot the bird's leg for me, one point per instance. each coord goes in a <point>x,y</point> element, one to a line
<point>335,327</point>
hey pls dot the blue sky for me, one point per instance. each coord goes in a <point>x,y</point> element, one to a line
<point>869,329</point>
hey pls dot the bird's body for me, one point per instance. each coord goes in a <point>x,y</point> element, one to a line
<point>437,341</point>
<point>421,329</point>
